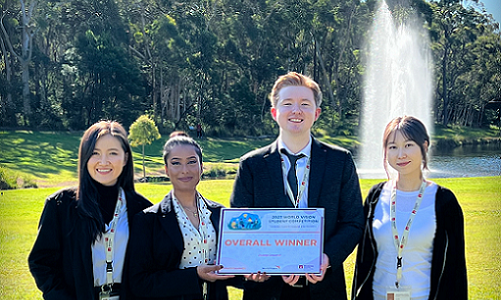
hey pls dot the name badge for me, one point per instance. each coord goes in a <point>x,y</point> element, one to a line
<point>106,296</point>
<point>402,293</point>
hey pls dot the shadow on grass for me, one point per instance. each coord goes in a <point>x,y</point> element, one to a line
<point>45,154</point>
<point>214,150</point>
<point>39,153</point>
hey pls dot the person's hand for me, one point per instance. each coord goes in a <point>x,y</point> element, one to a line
<point>290,279</point>
<point>323,269</point>
<point>208,273</point>
<point>257,277</point>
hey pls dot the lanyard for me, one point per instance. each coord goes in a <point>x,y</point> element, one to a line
<point>306,175</point>
<point>109,237</point>
<point>400,244</point>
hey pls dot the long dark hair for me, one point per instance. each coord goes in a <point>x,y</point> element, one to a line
<point>87,194</point>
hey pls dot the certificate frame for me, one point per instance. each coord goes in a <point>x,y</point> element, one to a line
<point>275,241</point>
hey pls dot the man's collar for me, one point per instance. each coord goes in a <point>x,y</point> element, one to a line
<point>306,150</point>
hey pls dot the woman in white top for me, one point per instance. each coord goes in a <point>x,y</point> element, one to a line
<point>173,243</point>
<point>413,244</point>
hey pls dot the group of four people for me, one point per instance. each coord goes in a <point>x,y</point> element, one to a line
<point>102,240</point>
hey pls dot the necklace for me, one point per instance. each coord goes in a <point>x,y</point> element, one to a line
<point>195,213</point>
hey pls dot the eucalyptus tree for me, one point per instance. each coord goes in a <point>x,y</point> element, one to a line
<point>481,80</point>
<point>448,47</point>
<point>113,87</point>
<point>246,64</point>
<point>172,42</point>
<point>7,105</point>
<point>50,79</point>
<point>339,31</point>
<point>253,50</point>
<point>456,34</point>
<point>20,45</point>
<point>109,84</point>
<point>152,31</point>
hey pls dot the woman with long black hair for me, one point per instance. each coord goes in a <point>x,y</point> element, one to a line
<point>83,233</point>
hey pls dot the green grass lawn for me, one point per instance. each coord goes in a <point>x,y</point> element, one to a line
<point>479,198</point>
<point>50,158</point>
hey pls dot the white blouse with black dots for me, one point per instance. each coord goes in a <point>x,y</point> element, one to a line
<point>199,245</point>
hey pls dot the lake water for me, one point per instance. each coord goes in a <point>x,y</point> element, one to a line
<point>465,161</point>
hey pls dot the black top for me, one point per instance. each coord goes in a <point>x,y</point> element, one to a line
<point>107,199</point>
<point>448,265</point>
<point>155,252</point>
<point>61,258</point>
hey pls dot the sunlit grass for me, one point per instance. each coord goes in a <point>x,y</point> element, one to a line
<point>479,198</point>
<point>51,158</point>
<point>464,133</point>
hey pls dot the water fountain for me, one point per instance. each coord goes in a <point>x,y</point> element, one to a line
<point>397,82</point>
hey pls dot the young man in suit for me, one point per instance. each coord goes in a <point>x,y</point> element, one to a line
<point>325,177</point>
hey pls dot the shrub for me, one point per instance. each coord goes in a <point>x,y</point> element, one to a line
<point>11,180</point>
<point>219,171</point>
<point>7,181</point>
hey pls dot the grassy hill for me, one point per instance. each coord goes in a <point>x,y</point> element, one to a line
<point>46,159</point>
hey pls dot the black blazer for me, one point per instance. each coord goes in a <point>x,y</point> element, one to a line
<point>155,249</point>
<point>333,185</point>
<point>61,258</point>
<point>448,278</point>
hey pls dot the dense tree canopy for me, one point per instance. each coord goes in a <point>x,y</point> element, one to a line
<point>66,64</point>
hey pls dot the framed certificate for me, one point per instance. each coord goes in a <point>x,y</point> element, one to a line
<point>278,241</point>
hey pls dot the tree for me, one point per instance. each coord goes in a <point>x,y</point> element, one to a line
<point>143,131</point>
<point>465,46</point>
<point>214,62</point>
<point>24,57</point>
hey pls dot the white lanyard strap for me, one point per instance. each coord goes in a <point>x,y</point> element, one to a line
<point>306,175</point>
<point>110,236</point>
<point>400,244</point>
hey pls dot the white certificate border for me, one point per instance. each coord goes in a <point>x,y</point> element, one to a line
<point>261,210</point>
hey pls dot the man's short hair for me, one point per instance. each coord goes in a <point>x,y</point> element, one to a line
<point>295,79</point>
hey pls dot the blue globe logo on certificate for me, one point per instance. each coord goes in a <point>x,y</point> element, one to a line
<point>245,221</point>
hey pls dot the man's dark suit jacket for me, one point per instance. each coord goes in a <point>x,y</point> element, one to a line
<point>333,185</point>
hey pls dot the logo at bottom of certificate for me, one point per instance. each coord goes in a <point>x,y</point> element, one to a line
<point>305,268</point>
